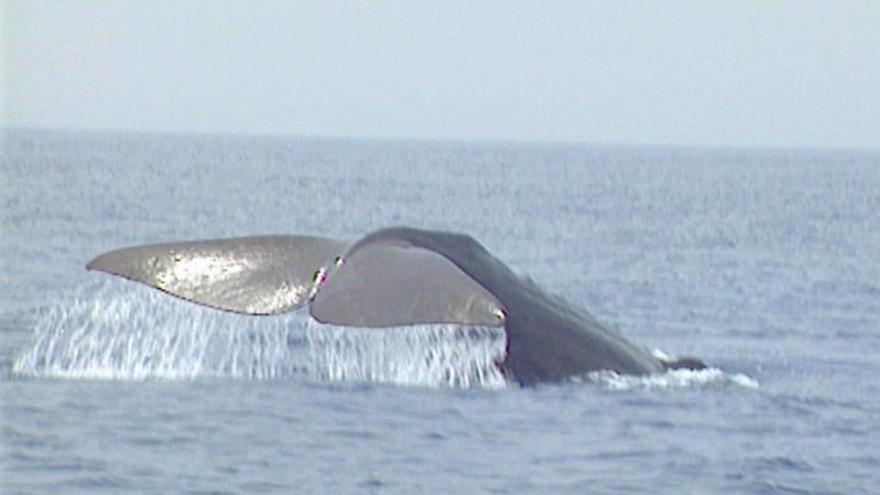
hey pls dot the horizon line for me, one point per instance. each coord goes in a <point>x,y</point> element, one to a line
<point>451,140</point>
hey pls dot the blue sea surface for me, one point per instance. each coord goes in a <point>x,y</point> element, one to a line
<point>764,263</point>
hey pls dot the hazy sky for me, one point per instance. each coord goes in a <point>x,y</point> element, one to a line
<point>740,73</point>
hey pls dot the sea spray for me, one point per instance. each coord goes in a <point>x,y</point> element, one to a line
<point>426,355</point>
<point>118,331</point>
<point>124,332</point>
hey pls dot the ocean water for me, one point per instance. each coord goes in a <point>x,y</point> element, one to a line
<point>762,262</point>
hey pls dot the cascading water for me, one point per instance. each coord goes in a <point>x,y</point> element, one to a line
<point>121,331</point>
<point>432,355</point>
<point>116,330</point>
<point>111,331</point>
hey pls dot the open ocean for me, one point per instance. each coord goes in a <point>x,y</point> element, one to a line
<point>764,263</point>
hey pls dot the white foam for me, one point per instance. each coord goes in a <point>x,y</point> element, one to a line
<point>662,356</point>
<point>681,378</point>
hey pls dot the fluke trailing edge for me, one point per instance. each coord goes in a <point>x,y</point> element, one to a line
<point>392,277</point>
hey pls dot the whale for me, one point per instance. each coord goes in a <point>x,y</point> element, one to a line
<point>393,277</point>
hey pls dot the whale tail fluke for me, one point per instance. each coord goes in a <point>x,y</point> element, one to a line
<point>398,284</point>
<point>378,285</point>
<point>250,275</point>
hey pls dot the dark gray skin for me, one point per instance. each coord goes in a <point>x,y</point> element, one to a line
<point>548,339</point>
<point>392,277</point>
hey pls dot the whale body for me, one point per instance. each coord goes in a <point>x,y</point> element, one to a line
<point>391,277</point>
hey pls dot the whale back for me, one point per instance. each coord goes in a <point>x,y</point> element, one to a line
<point>251,275</point>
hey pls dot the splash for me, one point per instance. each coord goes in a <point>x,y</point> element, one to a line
<point>119,331</point>
<point>103,332</point>
<point>429,355</point>
<point>673,379</point>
